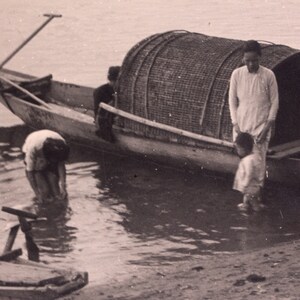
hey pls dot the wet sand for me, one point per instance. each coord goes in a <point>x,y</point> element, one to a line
<point>271,273</point>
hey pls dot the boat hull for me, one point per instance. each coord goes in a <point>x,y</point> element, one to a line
<point>74,126</point>
<point>80,128</point>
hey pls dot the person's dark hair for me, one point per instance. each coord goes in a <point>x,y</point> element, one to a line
<point>252,46</point>
<point>55,149</point>
<point>245,141</point>
<point>113,73</point>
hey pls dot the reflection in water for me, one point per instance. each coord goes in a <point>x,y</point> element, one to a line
<point>194,213</point>
<point>123,212</point>
<point>54,236</point>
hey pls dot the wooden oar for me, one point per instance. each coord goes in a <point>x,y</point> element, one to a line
<point>168,128</point>
<point>50,17</point>
<point>40,101</point>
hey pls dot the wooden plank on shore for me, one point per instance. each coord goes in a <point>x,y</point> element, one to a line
<point>8,256</point>
<point>61,283</point>
<point>31,293</point>
<point>19,213</point>
<point>11,238</point>
<point>26,275</point>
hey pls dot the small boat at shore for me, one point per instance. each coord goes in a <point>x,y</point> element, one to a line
<point>166,109</point>
<point>21,279</point>
<point>30,279</point>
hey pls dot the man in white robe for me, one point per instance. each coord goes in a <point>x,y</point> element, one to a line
<point>253,101</point>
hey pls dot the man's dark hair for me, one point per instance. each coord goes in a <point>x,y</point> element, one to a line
<point>245,141</point>
<point>252,46</point>
<point>113,73</point>
<point>55,149</point>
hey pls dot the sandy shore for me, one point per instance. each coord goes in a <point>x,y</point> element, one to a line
<point>272,273</point>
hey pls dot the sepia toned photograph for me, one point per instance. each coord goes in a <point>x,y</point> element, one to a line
<point>150,150</point>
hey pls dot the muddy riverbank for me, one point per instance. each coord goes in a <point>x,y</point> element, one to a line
<point>271,273</point>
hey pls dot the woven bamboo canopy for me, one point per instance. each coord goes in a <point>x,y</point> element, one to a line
<point>181,79</point>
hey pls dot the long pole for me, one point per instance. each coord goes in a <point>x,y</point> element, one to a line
<point>40,101</point>
<point>168,128</point>
<point>49,18</point>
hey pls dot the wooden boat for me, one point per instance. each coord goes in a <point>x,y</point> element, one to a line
<point>171,104</point>
<point>21,279</point>
<point>28,279</point>
<point>69,111</point>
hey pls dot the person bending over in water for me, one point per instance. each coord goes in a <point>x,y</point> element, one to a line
<point>45,154</point>
<point>247,177</point>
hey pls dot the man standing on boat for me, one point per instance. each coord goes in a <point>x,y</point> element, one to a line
<point>45,154</point>
<point>105,93</point>
<point>253,101</point>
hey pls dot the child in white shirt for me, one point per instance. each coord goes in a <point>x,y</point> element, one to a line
<point>247,177</point>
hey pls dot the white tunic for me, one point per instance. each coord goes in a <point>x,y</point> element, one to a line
<point>247,175</point>
<point>253,99</point>
<point>33,149</point>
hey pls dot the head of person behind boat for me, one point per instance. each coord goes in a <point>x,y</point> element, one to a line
<point>45,154</point>
<point>105,92</point>
<point>252,55</point>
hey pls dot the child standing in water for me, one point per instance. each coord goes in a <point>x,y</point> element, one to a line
<point>247,175</point>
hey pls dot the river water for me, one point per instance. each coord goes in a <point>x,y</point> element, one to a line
<point>123,214</point>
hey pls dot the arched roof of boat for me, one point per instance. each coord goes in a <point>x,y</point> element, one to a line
<point>181,79</point>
